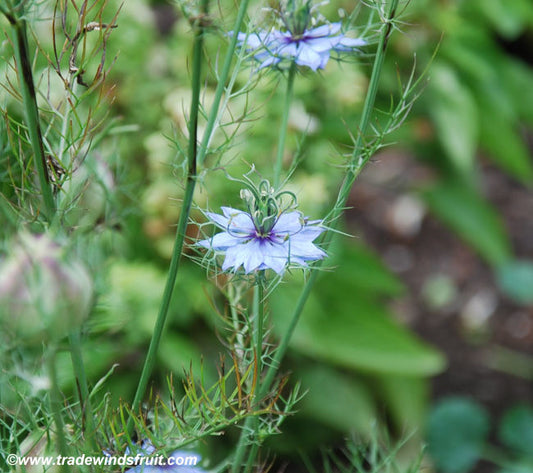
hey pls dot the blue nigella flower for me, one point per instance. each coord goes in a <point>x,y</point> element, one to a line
<point>258,241</point>
<point>179,461</point>
<point>311,47</point>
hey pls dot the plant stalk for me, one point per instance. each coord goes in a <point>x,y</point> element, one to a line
<point>284,125</point>
<point>357,162</point>
<point>254,421</point>
<point>183,219</point>
<point>83,389</point>
<point>31,111</point>
<point>55,404</point>
<point>195,158</point>
<point>221,86</point>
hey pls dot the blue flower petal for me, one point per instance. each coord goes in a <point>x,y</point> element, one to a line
<point>323,30</point>
<point>222,241</point>
<point>311,49</point>
<point>290,241</point>
<point>347,44</point>
<point>254,255</point>
<point>310,232</point>
<point>288,222</point>
<point>234,258</point>
<point>218,220</point>
<point>238,221</point>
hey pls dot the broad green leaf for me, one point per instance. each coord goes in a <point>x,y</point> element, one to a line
<point>508,18</point>
<point>358,263</point>
<point>471,52</point>
<point>472,218</point>
<point>337,400</point>
<point>343,326</point>
<point>454,113</point>
<point>406,398</point>
<point>516,280</point>
<point>522,466</point>
<point>457,430</point>
<point>516,429</point>
<point>503,143</point>
<point>480,65</point>
<point>501,92</point>
<point>519,78</point>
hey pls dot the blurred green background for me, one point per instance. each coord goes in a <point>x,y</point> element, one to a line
<point>433,294</point>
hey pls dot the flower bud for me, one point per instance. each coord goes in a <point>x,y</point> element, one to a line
<point>298,16</point>
<point>43,295</point>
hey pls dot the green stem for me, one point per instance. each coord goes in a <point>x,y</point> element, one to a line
<point>83,389</point>
<point>221,86</point>
<point>259,318</point>
<point>284,125</point>
<point>357,163</point>
<point>71,91</point>
<point>358,160</point>
<point>183,219</point>
<point>167,295</point>
<point>252,423</point>
<point>31,111</point>
<point>55,404</point>
<point>253,449</point>
<point>195,158</point>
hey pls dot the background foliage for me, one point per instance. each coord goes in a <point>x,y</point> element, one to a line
<point>357,361</point>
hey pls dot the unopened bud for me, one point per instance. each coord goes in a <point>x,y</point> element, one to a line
<point>43,295</point>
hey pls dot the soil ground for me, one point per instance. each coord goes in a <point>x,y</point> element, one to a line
<point>452,301</point>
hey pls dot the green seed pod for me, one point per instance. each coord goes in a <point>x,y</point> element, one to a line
<point>43,294</point>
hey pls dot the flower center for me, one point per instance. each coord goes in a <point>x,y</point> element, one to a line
<point>263,234</point>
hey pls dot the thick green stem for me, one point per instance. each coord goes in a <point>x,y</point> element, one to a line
<point>83,389</point>
<point>167,295</point>
<point>221,86</point>
<point>252,423</point>
<point>358,160</point>
<point>284,125</point>
<point>259,319</point>
<point>55,404</point>
<point>195,159</point>
<point>183,219</point>
<point>31,111</point>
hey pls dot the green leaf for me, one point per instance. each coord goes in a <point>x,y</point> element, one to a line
<point>500,89</point>
<point>358,263</point>
<point>508,18</point>
<point>504,144</point>
<point>337,400</point>
<point>472,218</point>
<point>341,325</point>
<point>456,433</point>
<point>516,429</point>
<point>406,397</point>
<point>521,466</point>
<point>516,280</point>
<point>454,113</point>
<point>519,78</point>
